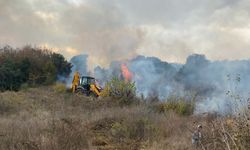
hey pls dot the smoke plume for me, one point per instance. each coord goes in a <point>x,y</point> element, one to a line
<point>79,63</point>
<point>220,86</point>
<point>109,30</point>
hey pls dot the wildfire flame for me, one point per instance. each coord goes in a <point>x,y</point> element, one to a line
<point>126,73</point>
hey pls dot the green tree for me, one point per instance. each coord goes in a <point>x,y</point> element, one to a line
<point>49,70</point>
<point>25,69</point>
<point>10,76</point>
<point>30,65</point>
<point>63,68</point>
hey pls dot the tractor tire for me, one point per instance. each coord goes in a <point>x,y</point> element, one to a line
<point>82,92</point>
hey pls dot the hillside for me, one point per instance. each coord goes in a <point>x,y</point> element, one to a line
<point>51,118</point>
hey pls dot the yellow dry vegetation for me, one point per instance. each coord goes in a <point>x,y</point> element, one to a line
<point>50,118</point>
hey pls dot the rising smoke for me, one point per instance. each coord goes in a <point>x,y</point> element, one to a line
<point>79,63</point>
<point>216,83</point>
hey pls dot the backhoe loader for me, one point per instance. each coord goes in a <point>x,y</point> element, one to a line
<point>86,85</point>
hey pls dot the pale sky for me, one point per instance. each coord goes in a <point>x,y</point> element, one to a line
<point>121,29</point>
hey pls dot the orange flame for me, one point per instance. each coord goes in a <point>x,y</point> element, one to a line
<point>126,73</point>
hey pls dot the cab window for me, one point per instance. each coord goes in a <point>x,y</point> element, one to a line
<point>84,81</point>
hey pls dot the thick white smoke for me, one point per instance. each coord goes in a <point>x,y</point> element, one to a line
<point>79,63</point>
<point>221,86</point>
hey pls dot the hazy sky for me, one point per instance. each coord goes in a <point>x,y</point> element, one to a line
<point>119,29</point>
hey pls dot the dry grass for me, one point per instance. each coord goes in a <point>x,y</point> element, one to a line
<point>46,118</point>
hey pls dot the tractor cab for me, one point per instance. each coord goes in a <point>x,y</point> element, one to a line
<point>87,85</point>
<point>86,81</point>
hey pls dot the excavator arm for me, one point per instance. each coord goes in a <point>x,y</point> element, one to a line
<point>94,88</point>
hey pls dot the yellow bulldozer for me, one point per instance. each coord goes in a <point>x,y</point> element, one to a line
<point>85,85</point>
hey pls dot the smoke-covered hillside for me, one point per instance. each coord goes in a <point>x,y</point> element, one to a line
<point>216,83</point>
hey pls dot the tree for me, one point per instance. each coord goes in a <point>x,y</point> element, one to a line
<point>10,76</point>
<point>34,66</point>
<point>49,72</point>
<point>63,68</point>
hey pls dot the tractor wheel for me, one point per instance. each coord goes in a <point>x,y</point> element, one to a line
<point>79,91</point>
<point>82,92</point>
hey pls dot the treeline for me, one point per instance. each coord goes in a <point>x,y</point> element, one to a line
<point>30,66</point>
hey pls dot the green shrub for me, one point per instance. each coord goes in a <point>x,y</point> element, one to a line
<point>179,105</point>
<point>123,91</point>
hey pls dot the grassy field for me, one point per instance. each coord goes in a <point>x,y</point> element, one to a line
<point>47,118</point>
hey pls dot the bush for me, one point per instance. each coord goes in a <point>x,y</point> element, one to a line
<point>179,105</point>
<point>123,91</point>
<point>227,133</point>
